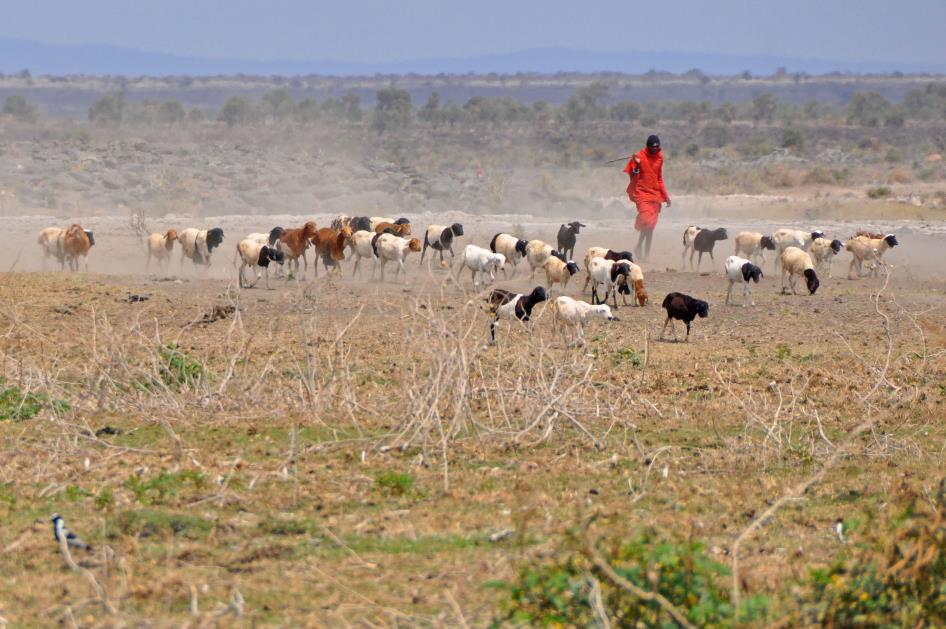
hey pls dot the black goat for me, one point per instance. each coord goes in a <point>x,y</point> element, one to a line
<point>683,308</point>
<point>360,223</point>
<point>567,238</point>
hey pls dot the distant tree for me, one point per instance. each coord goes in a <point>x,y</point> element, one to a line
<point>351,106</point>
<point>237,110</point>
<point>725,113</point>
<point>431,112</point>
<point>196,115</point>
<point>692,111</point>
<point>867,109</point>
<point>587,103</point>
<point>763,107</point>
<point>307,111</point>
<point>625,111</point>
<point>110,109</point>
<point>171,112</point>
<point>23,74</point>
<point>792,139</point>
<point>19,108</point>
<point>278,104</point>
<point>746,75</point>
<point>393,109</point>
<point>716,135</point>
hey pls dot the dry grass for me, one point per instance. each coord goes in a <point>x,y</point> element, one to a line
<point>346,455</point>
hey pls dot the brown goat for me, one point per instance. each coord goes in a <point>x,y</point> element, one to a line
<point>398,229</point>
<point>294,242</point>
<point>330,246</point>
<point>868,234</point>
<point>76,242</point>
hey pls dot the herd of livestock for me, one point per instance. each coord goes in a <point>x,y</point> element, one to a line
<point>798,254</point>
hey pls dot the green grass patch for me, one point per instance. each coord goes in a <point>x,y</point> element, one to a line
<point>166,485</point>
<point>16,405</point>
<point>395,483</point>
<point>148,523</point>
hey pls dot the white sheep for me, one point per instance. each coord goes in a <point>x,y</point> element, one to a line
<point>480,260</point>
<point>784,238</point>
<point>257,256</point>
<point>377,220</point>
<point>51,239</point>
<point>197,244</point>
<point>752,245</point>
<point>612,275</point>
<point>160,247</point>
<point>741,270</point>
<point>558,271</point>
<point>869,249</point>
<point>391,248</point>
<point>512,248</point>
<point>570,312</point>
<point>537,252</point>
<point>607,254</point>
<point>794,262</point>
<point>361,248</point>
<point>823,252</point>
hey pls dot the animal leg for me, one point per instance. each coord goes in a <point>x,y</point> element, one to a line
<point>729,292</point>
<point>688,332</point>
<point>699,261</point>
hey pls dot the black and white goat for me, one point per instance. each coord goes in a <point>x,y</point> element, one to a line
<point>741,270</point>
<point>512,306</point>
<point>257,256</point>
<point>512,248</point>
<point>440,238</point>
<point>699,240</point>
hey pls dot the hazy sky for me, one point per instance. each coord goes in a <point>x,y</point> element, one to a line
<point>379,30</point>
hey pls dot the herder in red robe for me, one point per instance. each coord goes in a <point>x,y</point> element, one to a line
<point>647,191</point>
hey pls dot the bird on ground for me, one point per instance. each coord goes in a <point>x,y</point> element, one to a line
<point>61,532</point>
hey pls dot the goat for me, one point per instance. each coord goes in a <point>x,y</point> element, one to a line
<point>374,220</point>
<point>340,221</point>
<point>160,247</point>
<point>568,311</point>
<point>398,229</point>
<point>794,262</point>
<point>752,245</point>
<point>823,252</point>
<point>440,238</point>
<point>294,243</point>
<point>508,305</point>
<point>256,255</point>
<point>50,239</point>
<point>567,237</point>
<point>868,248</point>
<point>512,248</point>
<point>741,270</point>
<point>689,235</point>
<point>271,239</point>
<point>330,246</point>
<point>76,242</point>
<point>558,270</point>
<point>480,260</point>
<point>394,249</point>
<point>637,279</point>
<point>360,223</point>
<point>197,244</point>
<point>785,238</point>
<point>607,254</point>
<point>682,308</point>
<point>703,242</point>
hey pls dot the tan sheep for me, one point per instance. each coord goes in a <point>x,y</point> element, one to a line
<point>868,249</point>
<point>795,262</point>
<point>160,247</point>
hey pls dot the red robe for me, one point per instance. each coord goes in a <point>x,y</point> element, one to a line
<point>646,189</point>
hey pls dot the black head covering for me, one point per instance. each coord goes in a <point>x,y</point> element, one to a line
<point>653,141</point>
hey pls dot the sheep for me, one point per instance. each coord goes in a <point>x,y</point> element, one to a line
<point>703,242</point>
<point>50,239</point>
<point>784,238</point>
<point>342,220</point>
<point>753,245</point>
<point>868,248</point>
<point>567,237</point>
<point>568,311</point>
<point>794,262</point>
<point>294,243</point>
<point>271,239</point>
<point>360,245</point>
<point>823,252</point>
<point>480,260</point>
<point>558,270</point>
<point>741,270</point>
<point>330,245</point>
<point>683,308</point>
<point>537,252</point>
<point>689,235</point>
<point>160,247</point>
<point>512,248</point>
<point>440,238</point>
<point>197,244</point>
<point>637,280</point>
<point>607,254</point>
<point>256,255</point>
<point>394,248</point>
<point>374,220</point>
<point>360,223</point>
<point>76,242</point>
<point>398,229</point>
<point>508,305</point>
<point>611,274</point>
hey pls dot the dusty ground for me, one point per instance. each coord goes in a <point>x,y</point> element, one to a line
<point>354,452</point>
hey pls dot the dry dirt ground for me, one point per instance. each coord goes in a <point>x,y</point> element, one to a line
<point>338,452</point>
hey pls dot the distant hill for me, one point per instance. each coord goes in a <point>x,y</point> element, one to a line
<point>101,59</point>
